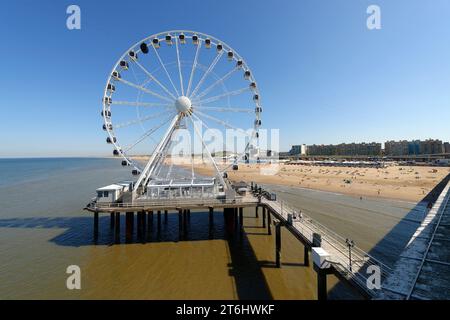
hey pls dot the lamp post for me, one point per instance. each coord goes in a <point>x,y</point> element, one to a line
<point>350,244</point>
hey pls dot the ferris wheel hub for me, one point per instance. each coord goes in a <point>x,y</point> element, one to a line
<point>183,105</point>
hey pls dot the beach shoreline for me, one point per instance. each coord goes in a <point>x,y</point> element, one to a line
<point>404,183</point>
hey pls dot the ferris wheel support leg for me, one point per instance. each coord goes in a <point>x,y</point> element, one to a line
<point>155,157</point>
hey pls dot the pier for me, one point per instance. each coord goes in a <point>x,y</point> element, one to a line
<point>421,272</point>
<point>348,263</point>
<point>423,269</point>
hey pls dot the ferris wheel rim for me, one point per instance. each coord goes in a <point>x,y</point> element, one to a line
<point>175,33</point>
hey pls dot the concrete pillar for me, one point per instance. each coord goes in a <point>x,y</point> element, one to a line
<point>211,216</point>
<point>321,284</point>
<point>111,222</point>
<point>144,225</point>
<point>95,226</point>
<point>150,221</point>
<point>269,231</point>
<point>305,256</point>
<point>264,217</point>
<point>241,217</point>
<point>129,226</point>
<point>117,228</point>
<point>140,226</point>
<point>228,214</point>
<point>185,219</point>
<point>159,219</point>
<point>278,244</point>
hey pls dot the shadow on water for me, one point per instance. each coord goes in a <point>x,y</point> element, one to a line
<point>244,265</point>
<point>388,249</point>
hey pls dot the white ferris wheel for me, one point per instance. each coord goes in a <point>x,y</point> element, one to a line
<point>180,80</point>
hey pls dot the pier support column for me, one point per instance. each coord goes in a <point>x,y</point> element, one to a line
<point>264,217</point>
<point>241,217</point>
<point>269,231</point>
<point>321,283</point>
<point>278,244</point>
<point>180,222</point>
<point>117,228</point>
<point>149,225</point>
<point>228,214</point>
<point>188,213</point>
<point>165,216</point>
<point>111,222</point>
<point>305,256</point>
<point>256,211</point>
<point>144,225</point>
<point>95,226</point>
<point>211,216</point>
<point>129,226</point>
<point>159,219</point>
<point>236,219</point>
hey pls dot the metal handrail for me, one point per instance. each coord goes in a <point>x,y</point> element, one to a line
<point>360,259</point>
<point>165,203</point>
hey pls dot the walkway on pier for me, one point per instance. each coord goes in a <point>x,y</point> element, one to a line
<point>423,269</point>
<point>350,264</point>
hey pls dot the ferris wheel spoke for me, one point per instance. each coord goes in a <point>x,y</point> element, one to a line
<point>179,66</point>
<point>140,120</point>
<point>208,71</point>
<point>221,122</point>
<point>131,84</point>
<point>219,173</point>
<point>223,109</point>
<point>148,133</point>
<point>220,96</point>
<point>165,70</point>
<point>154,79</point>
<point>141,104</point>
<point>207,90</point>
<point>237,158</point>
<point>194,66</point>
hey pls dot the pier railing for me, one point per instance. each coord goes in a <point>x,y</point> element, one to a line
<point>351,262</point>
<point>204,202</point>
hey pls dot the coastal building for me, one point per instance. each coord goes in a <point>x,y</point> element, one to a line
<point>446,147</point>
<point>299,149</point>
<point>346,149</point>
<point>415,147</point>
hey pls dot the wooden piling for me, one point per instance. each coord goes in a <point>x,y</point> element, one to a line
<point>165,216</point>
<point>256,211</point>
<point>269,231</point>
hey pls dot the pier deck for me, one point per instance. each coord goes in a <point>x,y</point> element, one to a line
<point>351,265</point>
<point>423,269</point>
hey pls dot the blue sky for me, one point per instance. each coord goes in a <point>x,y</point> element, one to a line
<point>324,77</point>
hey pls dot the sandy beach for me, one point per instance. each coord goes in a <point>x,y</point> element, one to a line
<point>395,182</point>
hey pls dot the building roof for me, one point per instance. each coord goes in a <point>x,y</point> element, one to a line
<point>111,187</point>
